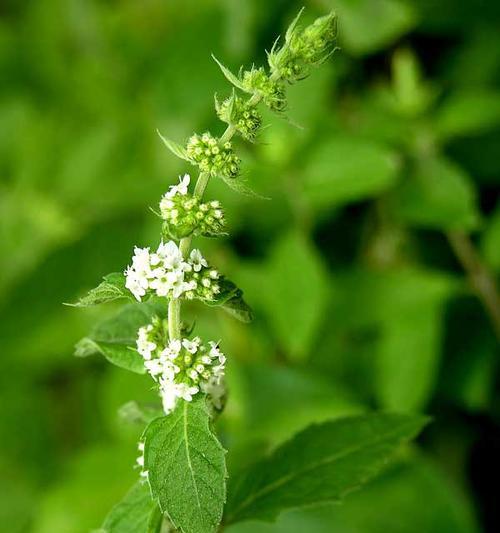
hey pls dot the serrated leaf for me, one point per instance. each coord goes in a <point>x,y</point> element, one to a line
<point>230,298</point>
<point>229,75</point>
<point>135,413</point>
<point>240,186</point>
<point>136,513</point>
<point>120,355</point>
<point>174,147</point>
<point>320,464</point>
<point>112,288</point>
<point>115,337</point>
<point>239,309</point>
<point>186,466</point>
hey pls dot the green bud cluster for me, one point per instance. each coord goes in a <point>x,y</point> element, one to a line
<point>240,114</point>
<point>271,92</point>
<point>186,215</point>
<point>207,284</point>
<point>303,49</point>
<point>212,156</point>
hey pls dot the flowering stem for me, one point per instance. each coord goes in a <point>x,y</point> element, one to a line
<point>174,304</point>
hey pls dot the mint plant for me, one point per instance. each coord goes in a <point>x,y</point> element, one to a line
<point>183,474</point>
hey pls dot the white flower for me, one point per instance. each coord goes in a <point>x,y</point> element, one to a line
<point>140,261</point>
<point>161,283</point>
<point>196,260</point>
<point>169,370</point>
<point>176,282</point>
<point>140,459</point>
<point>191,346</point>
<point>169,255</point>
<point>136,283</point>
<point>186,392</point>
<point>154,367</point>
<point>144,346</point>
<point>172,350</point>
<point>181,188</point>
<point>216,389</point>
<point>169,396</point>
<point>216,353</point>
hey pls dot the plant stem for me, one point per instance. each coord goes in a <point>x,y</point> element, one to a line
<point>480,278</point>
<point>174,304</point>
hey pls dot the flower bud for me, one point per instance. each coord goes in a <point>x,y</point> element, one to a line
<point>184,215</point>
<point>212,157</point>
<point>272,92</point>
<point>303,49</point>
<point>241,115</point>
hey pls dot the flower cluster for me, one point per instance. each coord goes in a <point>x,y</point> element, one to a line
<point>272,92</point>
<point>243,116</point>
<point>184,214</point>
<point>212,156</point>
<point>182,368</point>
<point>167,274</point>
<point>304,49</point>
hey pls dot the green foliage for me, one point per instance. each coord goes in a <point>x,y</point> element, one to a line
<point>230,298</point>
<point>360,170</point>
<point>320,464</point>
<point>410,497</point>
<point>112,288</point>
<point>292,290</point>
<point>136,513</point>
<point>115,337</point>
<point>386,318</point>
<point>186,467</point>
<point>438,194</point>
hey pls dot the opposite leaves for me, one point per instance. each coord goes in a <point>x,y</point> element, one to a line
<point>186,467</point>
<point>319,465</point>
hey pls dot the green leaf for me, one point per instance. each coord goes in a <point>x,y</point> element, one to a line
<point>438,195</point>
<point>239,185</point>
<point>343,170</point>
<point>370,25</point>
<point>139,413</point>
<point>468,113</point>
<point>112,288</point>
<point>319,465</point>
<point>229,75</point>
<point>186,466</point>
<point>293,291</point>
<point>120,355</point>
<point>230,298</point>
<point>413,496</point>
<point>115,337</point>
<point>175,148</point>
<point>239,309</point>
<point>408,351</point>
<point>136,513</point>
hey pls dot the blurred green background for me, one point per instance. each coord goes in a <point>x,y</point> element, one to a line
<point>357,268</point>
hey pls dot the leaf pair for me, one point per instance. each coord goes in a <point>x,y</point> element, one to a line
<point>321,464</point>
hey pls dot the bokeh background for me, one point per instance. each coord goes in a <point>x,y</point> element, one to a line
<point>371,269</point>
